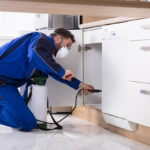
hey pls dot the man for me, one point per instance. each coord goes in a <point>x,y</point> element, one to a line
<point>19,59</point>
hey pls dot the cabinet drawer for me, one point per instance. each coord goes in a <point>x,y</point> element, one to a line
<point>139,103</point>
<point>139,61</point>
<point>92,36</point>
<point>139,29</point>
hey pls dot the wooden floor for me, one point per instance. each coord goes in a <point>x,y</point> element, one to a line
<point>93,115</point>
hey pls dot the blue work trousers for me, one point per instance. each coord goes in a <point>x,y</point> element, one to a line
<point>14,112</point>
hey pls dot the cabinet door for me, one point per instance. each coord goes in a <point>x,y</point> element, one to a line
<point>139,64</point>
<point>139,103</point>
<point>140,29</point>
<point>93,72</point>
<point>61,94</point>
<point>114,77</point>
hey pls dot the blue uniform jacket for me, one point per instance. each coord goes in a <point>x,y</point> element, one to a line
<point>20,57</point>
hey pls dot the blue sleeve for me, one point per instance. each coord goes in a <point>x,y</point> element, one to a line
<point>74,83</point>
<point>42,53</point>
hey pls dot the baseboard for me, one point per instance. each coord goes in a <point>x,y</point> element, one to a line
<point>142,134</point>
<point>61,109</point>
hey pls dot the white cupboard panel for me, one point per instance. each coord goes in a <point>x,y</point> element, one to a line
<point>114,77</point>
<point>139,103</point>
<point>139,61</point>
<point>139,29</point>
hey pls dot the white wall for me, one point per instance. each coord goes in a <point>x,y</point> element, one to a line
<point>11,23</point>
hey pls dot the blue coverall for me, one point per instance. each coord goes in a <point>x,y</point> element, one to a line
<point>18,60</point>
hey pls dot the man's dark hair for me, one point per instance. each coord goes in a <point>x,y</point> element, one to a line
<point>64,33</point>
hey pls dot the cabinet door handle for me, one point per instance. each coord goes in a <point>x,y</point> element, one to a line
<point>144,48</point>
<point>145,92</point>
<point>146,26</point>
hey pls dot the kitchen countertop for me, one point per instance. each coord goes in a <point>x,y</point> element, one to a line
<point>107,22</point>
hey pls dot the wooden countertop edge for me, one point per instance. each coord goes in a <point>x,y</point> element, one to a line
<point>107,22</point>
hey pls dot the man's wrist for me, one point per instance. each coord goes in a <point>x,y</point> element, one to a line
<point>81,85</point>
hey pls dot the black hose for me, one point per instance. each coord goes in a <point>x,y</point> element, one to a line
<point>57,122</point>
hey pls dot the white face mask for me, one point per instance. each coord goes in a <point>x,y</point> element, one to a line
<point>62,52</point>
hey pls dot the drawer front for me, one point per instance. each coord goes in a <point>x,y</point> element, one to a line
<point>139,29</point>
<point>139,61</point>
<point>139,103</point>
<point>93,36</point>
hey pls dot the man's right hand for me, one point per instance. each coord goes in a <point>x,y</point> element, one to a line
<point>86,87</point>
<point>68,75</point>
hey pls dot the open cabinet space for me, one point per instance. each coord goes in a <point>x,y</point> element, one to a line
<point>92,72</point>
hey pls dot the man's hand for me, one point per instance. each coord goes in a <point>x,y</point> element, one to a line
<point>86,87</point>
<point>68,75</point>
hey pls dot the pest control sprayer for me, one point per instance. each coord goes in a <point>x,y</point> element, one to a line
<point>38,100</point>
<point>38,103</point>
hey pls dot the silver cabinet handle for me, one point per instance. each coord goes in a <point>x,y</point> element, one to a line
<point>146,26</point>
<point>145,48</point>
<point>87,48</point>
<point>81,48</point>
<point>113,34</point>
<point>144,92</point>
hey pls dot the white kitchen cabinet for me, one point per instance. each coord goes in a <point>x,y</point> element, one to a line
<point>114,77</point>
<point>139,73</point>
<point>109,63</point>
<point>139,61</point>
<point>126,75</point>
<point>139,103</point>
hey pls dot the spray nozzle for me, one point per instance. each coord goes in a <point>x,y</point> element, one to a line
<point>95,90</point>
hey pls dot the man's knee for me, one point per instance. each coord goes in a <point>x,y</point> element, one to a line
<point>30,125</point>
